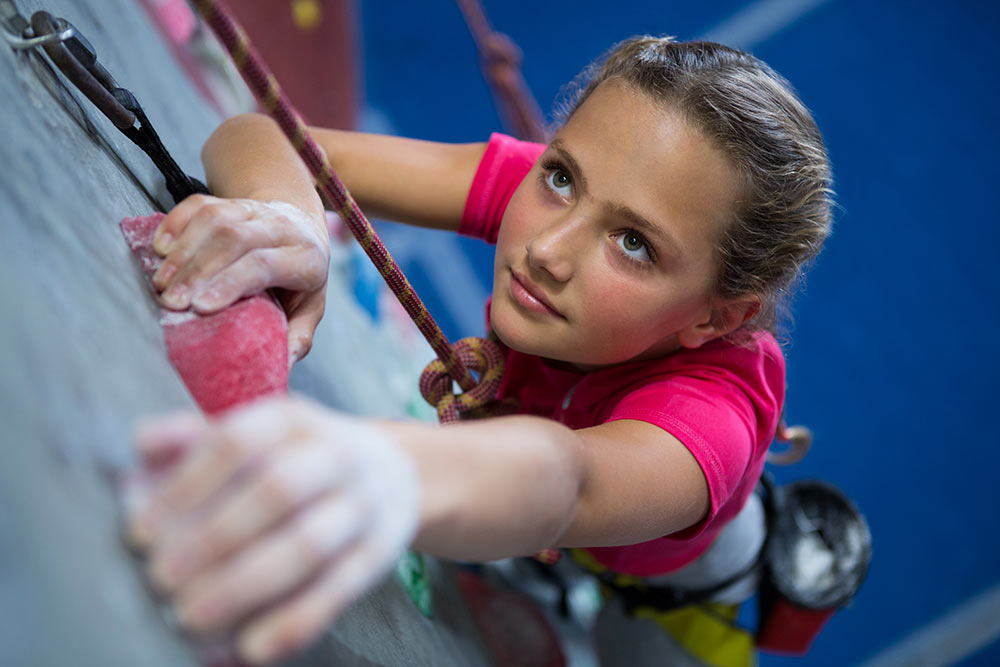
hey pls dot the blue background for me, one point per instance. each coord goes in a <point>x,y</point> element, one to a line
<point>891,362</point>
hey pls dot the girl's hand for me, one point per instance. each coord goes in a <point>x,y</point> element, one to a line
<point>220,250</point>
<point>271,520</point>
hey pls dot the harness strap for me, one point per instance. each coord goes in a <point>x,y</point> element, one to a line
<point>666,598</point>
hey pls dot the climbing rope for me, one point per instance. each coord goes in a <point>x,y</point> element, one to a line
<point>500,60</point>
<point>484,356</point>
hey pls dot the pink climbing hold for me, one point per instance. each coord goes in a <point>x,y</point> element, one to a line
<point>225,359</point>
<point>514,627</point>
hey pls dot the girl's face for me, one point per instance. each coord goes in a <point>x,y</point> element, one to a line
<point>607,251</point>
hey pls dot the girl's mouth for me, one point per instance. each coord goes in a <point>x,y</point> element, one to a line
<point>530,297</point>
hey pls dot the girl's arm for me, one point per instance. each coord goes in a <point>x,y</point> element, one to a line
<point>394,178</point>
<point>407,180</point>
<point>515,485</point>
<point>285,493</point>
<point>266,227</point>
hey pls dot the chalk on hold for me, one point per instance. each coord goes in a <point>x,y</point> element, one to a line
<point>227,358</point>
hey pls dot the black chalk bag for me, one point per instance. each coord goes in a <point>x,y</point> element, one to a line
<point>818,552</point>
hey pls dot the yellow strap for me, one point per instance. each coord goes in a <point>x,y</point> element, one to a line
<point>706,632</point>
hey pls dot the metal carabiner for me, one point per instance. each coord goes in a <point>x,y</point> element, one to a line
<point>23,43</point>
<point>75,57</point>
<point>18,33</point>
<point>77,60</point>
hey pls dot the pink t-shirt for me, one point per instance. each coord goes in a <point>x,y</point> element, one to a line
<point>722,401</point>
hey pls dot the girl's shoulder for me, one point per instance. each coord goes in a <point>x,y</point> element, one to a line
<point>758,359</point>
<point>716,380</point>
<point>759,352</point>
<point>502,168</point>
<point>721,376</point>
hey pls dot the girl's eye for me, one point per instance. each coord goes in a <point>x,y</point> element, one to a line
<point>634,245</point>
<point>560,183</point>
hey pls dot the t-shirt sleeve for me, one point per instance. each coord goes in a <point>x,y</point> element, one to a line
<point>504,165</point>
<point>725,418</point>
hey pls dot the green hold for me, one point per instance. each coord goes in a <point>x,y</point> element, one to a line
<point>412,571</point>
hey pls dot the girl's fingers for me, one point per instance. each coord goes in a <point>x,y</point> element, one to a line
<point>282,485</point>
<point>216,235</point>
<point>295,622</point>
<point>236,248</point>
<point>303,318</point>
<point>163,441</point>
<point>248,275</point>
<point>276,564</point>
<point>161,444</point>
<point>392,490</point>
<point>174,223</point>
<point>298,268</point>
<point>224,451</point>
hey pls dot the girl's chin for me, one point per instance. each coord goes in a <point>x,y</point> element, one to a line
<point>527,344</point>
<point>515,336</point>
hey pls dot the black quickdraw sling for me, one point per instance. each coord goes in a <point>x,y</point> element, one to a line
<point>76,58</point>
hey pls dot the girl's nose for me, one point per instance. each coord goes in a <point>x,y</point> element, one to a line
<point>554,249</point>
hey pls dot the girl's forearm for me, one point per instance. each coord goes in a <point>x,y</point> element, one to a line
<point>249,157</point>
<point>495,488</point>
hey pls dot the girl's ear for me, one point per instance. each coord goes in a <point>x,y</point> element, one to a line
<point>724,318</point>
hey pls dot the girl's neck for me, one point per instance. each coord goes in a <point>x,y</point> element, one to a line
<point>571,367</point>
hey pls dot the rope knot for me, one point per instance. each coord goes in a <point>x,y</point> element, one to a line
<point>485,358</point>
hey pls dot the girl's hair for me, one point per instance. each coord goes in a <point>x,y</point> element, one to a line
<point>752,114</point>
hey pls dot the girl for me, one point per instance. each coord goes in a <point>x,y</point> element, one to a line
<point>641,257</point>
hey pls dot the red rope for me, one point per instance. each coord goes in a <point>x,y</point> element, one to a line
<point>500,60</point>
<point>271,98</point>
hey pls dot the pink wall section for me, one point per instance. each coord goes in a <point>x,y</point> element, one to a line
<point>311,46</point>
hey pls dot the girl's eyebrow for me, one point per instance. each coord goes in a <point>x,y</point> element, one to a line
<point>558,145</point>
<point>665,241</point>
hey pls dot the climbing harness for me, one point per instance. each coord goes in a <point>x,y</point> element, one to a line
<point>481,355</point>
<point>636,592</point>
<point>814,558</point>
<point>500,60</point>
<point>76,58</point>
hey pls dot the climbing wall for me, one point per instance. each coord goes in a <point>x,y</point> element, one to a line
<point>82,359</point>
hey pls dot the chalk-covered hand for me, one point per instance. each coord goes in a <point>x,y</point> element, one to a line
<point>271,520</point>
<point>217,251</point>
